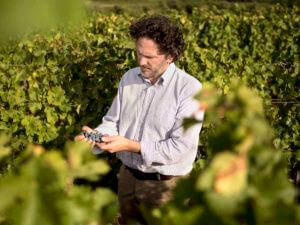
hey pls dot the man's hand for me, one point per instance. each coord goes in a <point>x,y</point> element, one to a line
<point>118,144</point>
<point>80,137</point>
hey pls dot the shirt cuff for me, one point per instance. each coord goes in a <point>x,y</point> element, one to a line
<point>147,151</point>
<point>105,130</point>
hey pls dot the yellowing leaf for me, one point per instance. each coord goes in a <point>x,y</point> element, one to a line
<point>230,173</point>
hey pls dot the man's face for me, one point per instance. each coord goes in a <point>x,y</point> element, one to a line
<point>152,62</point>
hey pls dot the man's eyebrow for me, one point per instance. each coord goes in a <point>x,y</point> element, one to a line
<point>146,55</point>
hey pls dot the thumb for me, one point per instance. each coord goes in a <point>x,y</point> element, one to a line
<point>108,138</point>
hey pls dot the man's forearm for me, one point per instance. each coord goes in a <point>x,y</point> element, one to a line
<point>114,144</point>
<point>134,146</point>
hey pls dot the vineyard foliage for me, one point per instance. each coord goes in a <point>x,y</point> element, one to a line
<point>52,84</point>
<point>40,188</point>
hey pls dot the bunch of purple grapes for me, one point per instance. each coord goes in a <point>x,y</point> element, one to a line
<point>96,137</point>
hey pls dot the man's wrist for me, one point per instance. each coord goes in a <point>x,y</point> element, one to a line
<point>134,146</point>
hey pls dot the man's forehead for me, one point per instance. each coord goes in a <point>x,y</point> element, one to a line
<point>145,49</point>
<point>149,52</point>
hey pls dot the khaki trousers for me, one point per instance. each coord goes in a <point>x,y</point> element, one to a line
<point>133,194</point>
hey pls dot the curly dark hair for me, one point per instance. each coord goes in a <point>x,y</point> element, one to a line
<point>160,29</point>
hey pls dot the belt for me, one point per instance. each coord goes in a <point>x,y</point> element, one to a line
<point>139,175</point>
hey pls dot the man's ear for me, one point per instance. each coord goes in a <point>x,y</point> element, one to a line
<point>170,59</point>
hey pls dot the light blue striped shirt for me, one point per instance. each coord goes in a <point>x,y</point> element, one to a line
<point>153,115</point>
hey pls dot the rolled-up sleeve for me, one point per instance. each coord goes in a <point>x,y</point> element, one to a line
<point>110,121</point>
<point>180,142</point>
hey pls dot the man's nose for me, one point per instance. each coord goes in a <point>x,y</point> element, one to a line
<point>142,61</point>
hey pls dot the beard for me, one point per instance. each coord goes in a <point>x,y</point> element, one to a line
<point>147,72</point>
<point>151,73</point>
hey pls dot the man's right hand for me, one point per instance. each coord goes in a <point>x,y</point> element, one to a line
<point>81,137</point>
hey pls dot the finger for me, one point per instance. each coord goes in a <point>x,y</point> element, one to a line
<point>109,138</point>
<point>85,140</point>
<point>104,135</point>
<point>90,142</point>
<point>87,129</point>
<point>102,145</point>
<point>109,148</point>
<point>79,137</point>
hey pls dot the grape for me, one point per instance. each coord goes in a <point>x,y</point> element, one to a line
<point>96,137</point>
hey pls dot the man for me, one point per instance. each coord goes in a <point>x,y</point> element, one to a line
<point>144,122</point>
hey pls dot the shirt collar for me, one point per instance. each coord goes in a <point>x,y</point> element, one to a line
<point>165,77</point>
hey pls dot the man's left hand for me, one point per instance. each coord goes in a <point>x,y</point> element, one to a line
<point>114,144</point>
